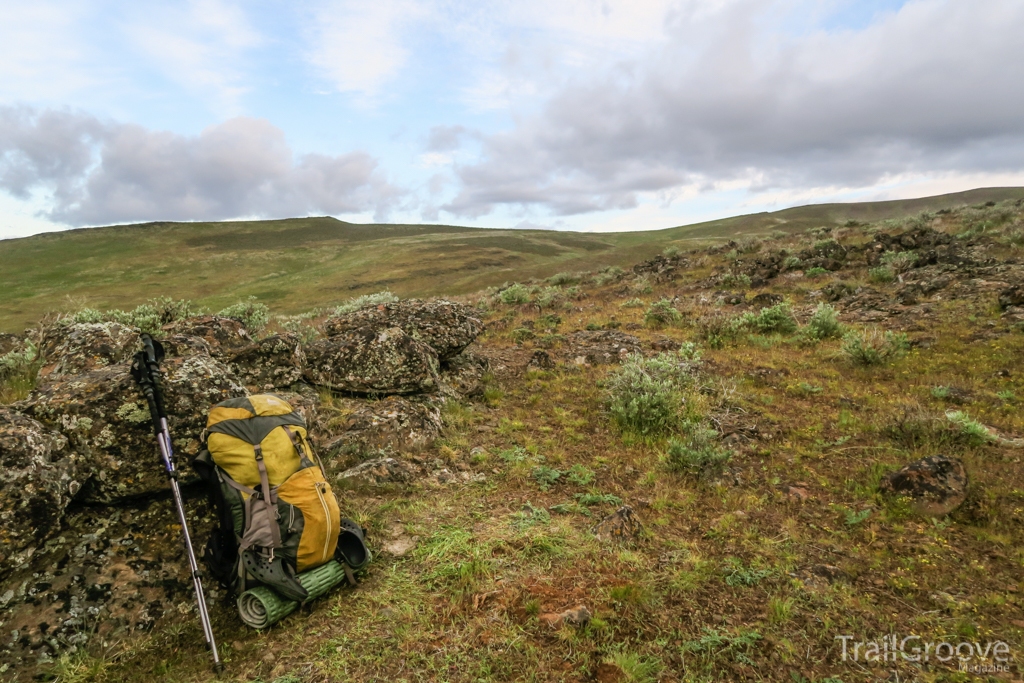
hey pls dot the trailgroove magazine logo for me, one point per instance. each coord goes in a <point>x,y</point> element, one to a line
<point>969,656</point>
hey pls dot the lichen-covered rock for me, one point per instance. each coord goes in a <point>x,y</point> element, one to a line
<point>379,472</point>
<point>372,361</point>
<point>226,336</point>
<point>184,345</point>
<point>38,478</point>
<point>271,363</point>
<point>10,342</point>
<point>73,349</point>
<point>936,485</point>
<point>621,526</point>
<point>599,347</point>
<point>1011,296</point>
<point>109,574</point>
<point>394,423</point>
<point>464,374</point>
<point>445,326</point>
<point>106,420</point>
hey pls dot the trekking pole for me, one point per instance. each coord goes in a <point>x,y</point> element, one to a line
<point>146,371</point>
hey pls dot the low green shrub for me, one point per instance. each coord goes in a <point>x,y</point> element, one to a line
<point>815,272</point>
<point>824,324</point>
<point>632,303</point>
<point>873,347</point>
<point>609,275</point>
<point>881,274</point>
<point>644,395</point>
<point>970,431</point>
<point>735,281</point>
<point>375,299</point>
<point>642,285</point>
<point>515,294</point>
<point>559,279</point>
<point>699,453</point>
<point>777,318</point>
<point>899,261</point>
<point>662,314</point>
<point>252,313</point>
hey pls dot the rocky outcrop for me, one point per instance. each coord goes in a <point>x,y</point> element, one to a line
<point>73,349</point>
<point>621,526</point>
<point>106,421</point>
<point>225,336</point>
<point>392,423</point>
<point>936,485</point>
<point>39,478</point>
<point>10,342</point>
<point>599,347</point>
<point>380,472</point>
<point>444,326</point>
<point>463,374</point>
<point>109,574</point>
<point>1011,296</point>
<point>369,360</point>
<point>274,362</point>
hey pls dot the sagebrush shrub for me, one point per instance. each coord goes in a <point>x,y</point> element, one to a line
<point>698,453</point>
<point>899,261</point>
<point>375,299</point>
<point>252,313</point>
<point>609,275</point>
<point>632,303</point>
<point>662,314</point>
<point>881,274</point>
<point>548,297</point>
<point>148,317</point>
<point>645,396</point>
<point>969,431</point>
<point>815,272</point>
<point>515,294</point>
<point>642,285</point>
<point>873,347</point>
<point>824,323</point>
<point>564,279</point>
<point>777,318</point>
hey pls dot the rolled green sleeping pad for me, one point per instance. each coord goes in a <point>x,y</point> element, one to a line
<point>261,607</point>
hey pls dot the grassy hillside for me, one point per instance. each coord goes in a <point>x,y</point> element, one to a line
<point>765,533</point>
<point>297,264</point>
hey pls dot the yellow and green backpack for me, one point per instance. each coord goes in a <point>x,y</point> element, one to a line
<point>278,515</point>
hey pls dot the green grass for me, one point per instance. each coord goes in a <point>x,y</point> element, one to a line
<point>298,264</point>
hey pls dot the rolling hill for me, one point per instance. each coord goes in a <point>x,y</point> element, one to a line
<point>299,263</point>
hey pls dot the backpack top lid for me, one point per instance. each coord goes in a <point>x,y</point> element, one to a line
<point>251,418</point>
<point>236,425</point>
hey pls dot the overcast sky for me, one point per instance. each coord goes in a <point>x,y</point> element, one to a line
<point>572,114</point>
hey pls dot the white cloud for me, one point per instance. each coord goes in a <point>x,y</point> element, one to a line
<point>361,45</point>
<point>98,173</point>
<point>201,46</point>
<point>930,89</point>
<point>41,54</point>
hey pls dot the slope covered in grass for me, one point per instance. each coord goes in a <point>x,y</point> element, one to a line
<point>297,264</point>
<point>781,381</point>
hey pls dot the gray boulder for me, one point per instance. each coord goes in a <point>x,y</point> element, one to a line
<point>271,363</point>
<point>935,485</point>
<point>394,423</point>
<point>368,360</point>
<point>599,347</point>
<point>445,326</point>
<point>39,478</point>
<point>225,336</point>
<point>106,420</point>
<point>81,347</point>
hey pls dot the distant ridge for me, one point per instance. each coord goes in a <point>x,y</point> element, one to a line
<point>298,263</point>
